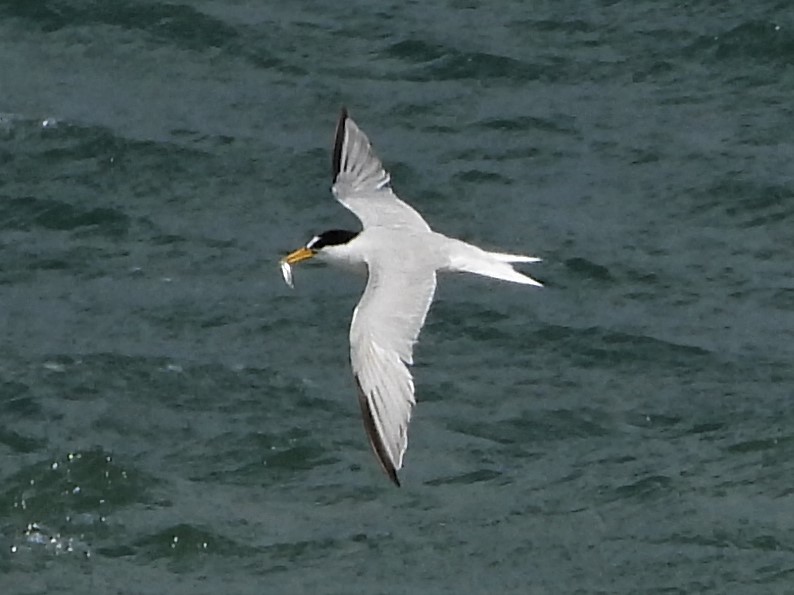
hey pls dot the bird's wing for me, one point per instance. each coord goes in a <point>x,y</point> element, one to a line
<point>385,326</point>
<point>362,185</point>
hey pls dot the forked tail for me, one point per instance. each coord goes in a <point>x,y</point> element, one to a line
<point>471,259</point>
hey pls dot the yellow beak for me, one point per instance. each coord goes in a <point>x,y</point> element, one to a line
<point>299,255</point>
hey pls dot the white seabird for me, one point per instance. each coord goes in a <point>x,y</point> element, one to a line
<point>401,256</point>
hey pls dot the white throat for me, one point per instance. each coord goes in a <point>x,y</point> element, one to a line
<point>344,256</point>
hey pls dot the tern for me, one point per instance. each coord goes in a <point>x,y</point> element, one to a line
<point>401,256</point>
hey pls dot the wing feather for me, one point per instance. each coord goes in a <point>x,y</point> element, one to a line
<point>374,434</point>
<point>385,327</point>
<point>361,183</point>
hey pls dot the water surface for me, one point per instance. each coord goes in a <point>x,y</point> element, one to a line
<point>175,419</point>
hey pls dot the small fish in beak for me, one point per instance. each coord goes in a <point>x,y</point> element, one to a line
<point>286,272</point>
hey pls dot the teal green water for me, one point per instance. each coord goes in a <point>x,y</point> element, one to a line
<point>173,419</point>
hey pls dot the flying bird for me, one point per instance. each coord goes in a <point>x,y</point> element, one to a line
<point>401,256</point>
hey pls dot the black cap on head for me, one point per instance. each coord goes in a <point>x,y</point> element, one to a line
<point>333,237</point>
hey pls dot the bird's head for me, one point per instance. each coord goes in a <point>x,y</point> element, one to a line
<point>330,245</point>
<point>322,245</point>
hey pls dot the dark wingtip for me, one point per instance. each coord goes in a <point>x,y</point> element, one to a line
<point>339,139</point>
<point>374,439</point>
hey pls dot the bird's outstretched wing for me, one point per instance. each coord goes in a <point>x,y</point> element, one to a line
<point>362,185</point>
<point>385,326</point>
